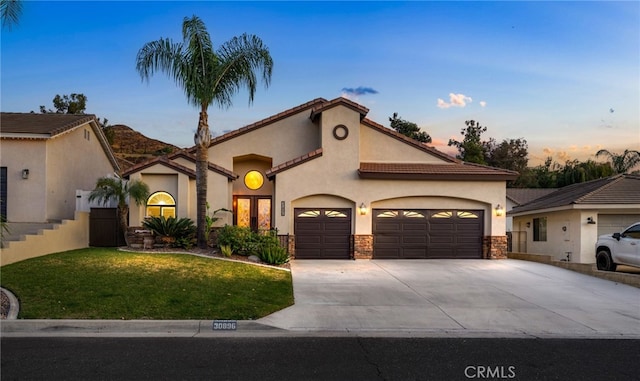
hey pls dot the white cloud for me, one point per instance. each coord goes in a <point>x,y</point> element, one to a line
<point>455,100</point>
<point>483,104</point>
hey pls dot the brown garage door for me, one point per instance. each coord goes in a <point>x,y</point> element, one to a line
<point>322,233</point>
<point>425,233</point>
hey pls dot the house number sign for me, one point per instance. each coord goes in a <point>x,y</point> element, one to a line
<point>225,325</point>
<point>340,132</point>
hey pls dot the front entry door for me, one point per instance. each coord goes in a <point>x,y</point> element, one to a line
<point>253,212</point>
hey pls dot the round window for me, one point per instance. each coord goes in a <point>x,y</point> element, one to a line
<point>253,180</point>
<point>340,132</point>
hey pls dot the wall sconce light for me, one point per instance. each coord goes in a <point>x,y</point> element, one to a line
<point>499,210</point>
<point>528,224</point>
<point>363,209</point>
<point>590,221</point>
<point>25,174</point>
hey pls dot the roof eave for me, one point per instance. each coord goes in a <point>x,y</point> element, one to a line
<point>430,176</point>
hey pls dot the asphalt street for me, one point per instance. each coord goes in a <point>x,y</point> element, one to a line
<point>318,358</point>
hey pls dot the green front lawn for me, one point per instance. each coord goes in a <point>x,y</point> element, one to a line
<point>108,284</point>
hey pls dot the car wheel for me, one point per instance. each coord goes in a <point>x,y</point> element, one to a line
<point>604,261</point>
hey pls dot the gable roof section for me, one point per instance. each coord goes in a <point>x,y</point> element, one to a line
<point>521,196</point>
<point>168,162</point>
<point>341,101</point>
<point>619,189</point>
<point>28,125</point>
<point>212,167</point>
<point>422,171</point>
<point>262,123</point>
<point>293,163</point>
<point>32,126</point>
<point>162,160</point>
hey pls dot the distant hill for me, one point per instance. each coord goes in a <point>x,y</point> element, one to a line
<point>131,147</point>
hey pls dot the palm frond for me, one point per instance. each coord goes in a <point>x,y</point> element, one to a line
<point>10,11</point>
<point>239,60</point>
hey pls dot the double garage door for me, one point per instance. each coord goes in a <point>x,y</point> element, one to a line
<point>397,233</point>
<point>426,233</point>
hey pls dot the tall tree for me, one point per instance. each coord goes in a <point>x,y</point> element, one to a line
<point>67,104</point>
<point>511,154</point>
<point>10,12</point>
<point>119,190</point>
<point>621,163</point>
<point>471,148</point>
<point>206,76</point>
<point>409,129</point>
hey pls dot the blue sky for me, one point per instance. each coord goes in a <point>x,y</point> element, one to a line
<point>563,75</point>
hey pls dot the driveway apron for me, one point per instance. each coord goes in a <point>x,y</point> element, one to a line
<point>500,298</point>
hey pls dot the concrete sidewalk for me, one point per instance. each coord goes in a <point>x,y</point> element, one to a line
<point>417,298</point>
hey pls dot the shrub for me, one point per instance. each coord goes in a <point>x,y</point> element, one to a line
<point>241,239</point>
<point>274,254</point>
<point>177,232</point>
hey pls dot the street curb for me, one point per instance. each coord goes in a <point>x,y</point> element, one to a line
<point>14,305</point>
<point>249,328</point>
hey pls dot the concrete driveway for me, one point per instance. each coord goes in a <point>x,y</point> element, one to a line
<point>465,298</point>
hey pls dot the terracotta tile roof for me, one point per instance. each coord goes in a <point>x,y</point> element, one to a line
<point>405,139</point>
<point>212,167</point>
<point>292,163</point>
<point>161,160</point>
<point>317,110</point>
<point>619,189</point>
<point>15,125</point>
<point>167,161</point>
<point>425,171</point>
<point>521,196</point>
<point>41,124</point>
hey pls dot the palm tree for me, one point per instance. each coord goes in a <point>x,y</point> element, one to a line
<point>621,163</point>
<point>10,11</point>
<point>117,189</point>
<point>207,77</point>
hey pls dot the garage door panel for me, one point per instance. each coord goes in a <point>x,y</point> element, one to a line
<point>428,234</point>
<point>418,239</point>
<point>322,233</point>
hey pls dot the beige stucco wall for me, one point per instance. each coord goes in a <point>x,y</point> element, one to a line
<point>70,235</point>
<point>394,150</point>
<point>283,140</point>
<point>26,199</point>
<point>579,237</point>
<point>73,162</point>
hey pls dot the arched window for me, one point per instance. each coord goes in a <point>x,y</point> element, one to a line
<point>161,204</point>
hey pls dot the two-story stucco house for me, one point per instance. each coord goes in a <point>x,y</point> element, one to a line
<point>340,186</point>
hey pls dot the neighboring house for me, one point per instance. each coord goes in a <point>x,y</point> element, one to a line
<point>566,223</point>
<point>44,159</point>
<point>340,186</point>
<point>521,196</point>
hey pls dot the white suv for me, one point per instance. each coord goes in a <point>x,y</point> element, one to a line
<point>619,249</point>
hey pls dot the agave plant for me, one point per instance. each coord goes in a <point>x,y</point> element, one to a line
<point>173,231</point>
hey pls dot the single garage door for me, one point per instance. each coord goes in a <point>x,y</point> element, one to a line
<point>426,233</point>
<point>322,233</point>
<point>615,223</point>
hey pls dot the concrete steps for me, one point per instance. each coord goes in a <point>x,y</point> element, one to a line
<point>18,231</point>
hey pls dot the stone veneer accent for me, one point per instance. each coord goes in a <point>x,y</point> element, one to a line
<point>363,246</point>
<point>291,246</point>
<point>494,247</point>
